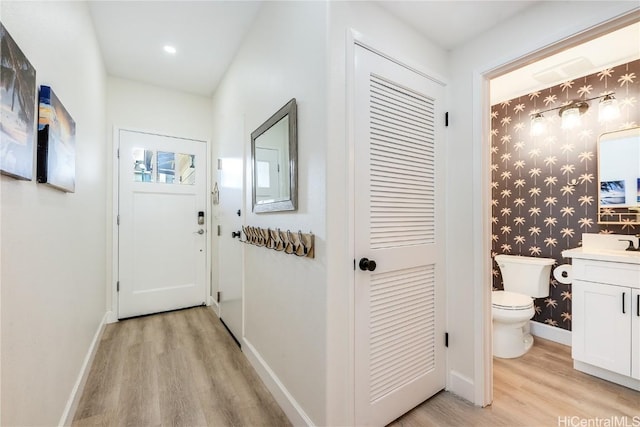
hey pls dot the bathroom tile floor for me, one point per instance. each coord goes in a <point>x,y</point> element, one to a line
<point>540,388</point>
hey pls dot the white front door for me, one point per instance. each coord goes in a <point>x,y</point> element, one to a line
<point>231,181</point>
<point>399,294</point>
<point>163,223</point>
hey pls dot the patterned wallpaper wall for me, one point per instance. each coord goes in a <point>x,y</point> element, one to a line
<point>536,211</point>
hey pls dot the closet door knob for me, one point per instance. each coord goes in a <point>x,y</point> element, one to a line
<point>367,264</point>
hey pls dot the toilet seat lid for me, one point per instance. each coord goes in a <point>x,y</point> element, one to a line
<point>510,300</point>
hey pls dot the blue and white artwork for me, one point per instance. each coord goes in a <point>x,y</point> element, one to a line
<point>56,143</point>
<point>612,193</point>
<point>17,109</point>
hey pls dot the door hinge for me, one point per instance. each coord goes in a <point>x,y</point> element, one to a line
<point>118,286</point>
<point>446,119</point>
<point>118,220</point>
<point>118,153</point>
<point>446,339</point>
<point>219,231</point>
<point>354,264</point>
<point>219,164</point>
<point>218,296</point>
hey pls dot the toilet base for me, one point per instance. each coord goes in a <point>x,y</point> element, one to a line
<point>511,340</point>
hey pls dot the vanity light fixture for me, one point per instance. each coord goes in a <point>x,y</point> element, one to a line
<point>171,50</point>
<point>608,108</point>
<point>572,111</point>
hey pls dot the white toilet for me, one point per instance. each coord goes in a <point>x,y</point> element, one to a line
<point>524,278</point>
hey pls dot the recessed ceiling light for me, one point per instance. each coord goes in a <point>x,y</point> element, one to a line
<point>170,49</point>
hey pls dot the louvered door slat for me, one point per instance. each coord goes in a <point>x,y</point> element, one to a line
<point>390,91</point>
<point>397,115</point>
<point>400,141</point>
<point>389,134</point>
<point>401,338</point>
<point>401,113</point>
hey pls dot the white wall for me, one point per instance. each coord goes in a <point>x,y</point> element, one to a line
<point>53,244</point>
<point>284,296</point>
<point>391,36</point>
<point>138,106</point>
<point>536,28</point>
<point>145,107</point>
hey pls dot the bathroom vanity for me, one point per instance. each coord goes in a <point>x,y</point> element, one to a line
<point>606,311</point>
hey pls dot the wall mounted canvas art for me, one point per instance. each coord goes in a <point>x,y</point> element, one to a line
<point>17,109</point>
<point>56,143</point>
<point>612,193</point>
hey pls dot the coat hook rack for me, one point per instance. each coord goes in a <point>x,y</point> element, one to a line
<point>291,243</point>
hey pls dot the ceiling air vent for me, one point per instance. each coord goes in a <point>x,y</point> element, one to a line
<point>566,70</point>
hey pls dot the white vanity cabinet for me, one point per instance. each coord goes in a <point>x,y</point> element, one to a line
<point>606,316</point>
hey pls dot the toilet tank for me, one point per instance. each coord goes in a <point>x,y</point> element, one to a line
<point>525,275</point>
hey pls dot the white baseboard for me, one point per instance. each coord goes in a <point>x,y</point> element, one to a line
<point>111,317</point>
<point>213,305</point>
<point>607,375</point>
<point>76,392</point>
<point>461,386</point>
<point>551,333</point>
<point>289,405</point>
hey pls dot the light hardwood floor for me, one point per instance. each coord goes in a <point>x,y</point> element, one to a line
<point>174,369</point>
<point>183,369</point>
<point>540,388</point>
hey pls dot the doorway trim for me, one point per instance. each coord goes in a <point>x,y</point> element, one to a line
<point>481,143</point>
<point>112,290</point>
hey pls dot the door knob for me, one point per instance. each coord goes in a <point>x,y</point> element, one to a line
<point>235,234</point>
<point>367,264</point>
<point>201,231</point>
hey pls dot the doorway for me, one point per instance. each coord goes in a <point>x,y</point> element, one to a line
<point>162,223</point>
<point>549,222</point>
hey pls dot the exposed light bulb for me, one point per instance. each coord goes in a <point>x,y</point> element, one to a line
<point>570,118</point>
<point>608,109</point>
<point>170,49</point>
<point>538,125</point>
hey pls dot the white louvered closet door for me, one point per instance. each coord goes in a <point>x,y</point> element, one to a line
<point>399,325</point>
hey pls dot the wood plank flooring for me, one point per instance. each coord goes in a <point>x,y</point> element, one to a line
<point>540,388</point>
<point>174,369</point>
<point>183,369</point>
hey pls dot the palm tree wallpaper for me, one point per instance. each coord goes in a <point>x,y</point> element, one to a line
<point>545,187</point>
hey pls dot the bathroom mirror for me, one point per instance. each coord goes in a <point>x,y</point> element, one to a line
<point>619,177</point>
<point>274,148</point>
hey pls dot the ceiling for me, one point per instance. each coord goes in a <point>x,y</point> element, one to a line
<point>609,50</point>
<point>452,23</point>
<point>207,34</point>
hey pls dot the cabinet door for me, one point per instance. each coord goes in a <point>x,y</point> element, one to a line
<point>635,330</point>
<point>602,326</point>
